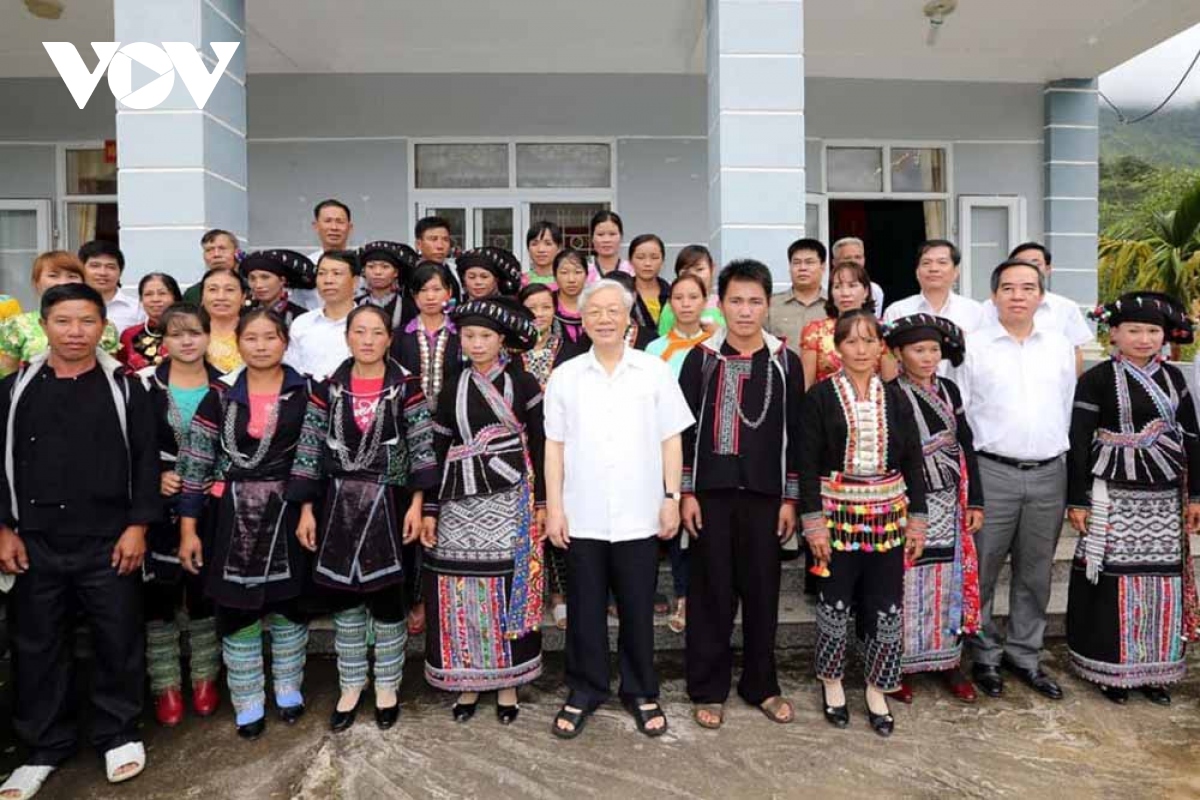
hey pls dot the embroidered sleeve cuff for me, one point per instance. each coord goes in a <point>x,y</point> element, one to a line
<point>791,487</point>
<point>429,509</point>
<point>688,485</point>
<point>917,525</point>
<point>813,524</point>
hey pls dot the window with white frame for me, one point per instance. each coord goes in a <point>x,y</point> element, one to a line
<point>868,171</point>
<point>87,195</point>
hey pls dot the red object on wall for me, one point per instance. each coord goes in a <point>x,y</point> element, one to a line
<point>110,151</point>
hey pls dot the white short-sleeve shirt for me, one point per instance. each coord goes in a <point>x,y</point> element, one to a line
<point>318,344</point>
<point>612,428</point>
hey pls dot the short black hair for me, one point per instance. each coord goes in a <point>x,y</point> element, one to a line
<point>324,204</point>
<point>102,247</point>
<point>347,257</point>
<point>426,224</point>
<point>211,236</point>
<point>233,273</point>
<point>544,226</point>
<point>532,289</point>
<point>814,245</point>
<point>167,281</point>
<point>930,244</point>
<point>66,292</point>
<point>427,271</point>
<point>642,239</point>
<point>744,269</point>
<point>1032,246</point>
<point>1004,266</point>
<point>606,216</point>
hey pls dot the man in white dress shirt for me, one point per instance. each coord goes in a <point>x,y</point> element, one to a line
<point>1018,383</point>
<point>103,265</point>
<point>614,466</point>
<point>333,226</point>
<point>318,338</point>
<point>1055,312</point>
<point>937,273</point>
<point>851,250</point>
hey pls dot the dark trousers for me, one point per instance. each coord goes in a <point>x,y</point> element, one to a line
<point>630,570</point>
<point>871,587</point>
<point>66,574</point>
<point>735,559</point>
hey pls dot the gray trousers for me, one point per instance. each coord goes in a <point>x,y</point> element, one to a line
<point>1023,516</point>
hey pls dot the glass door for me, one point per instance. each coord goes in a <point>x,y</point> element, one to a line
<point>989,227</point>
<point>477,224</point>
<point>24,232</point>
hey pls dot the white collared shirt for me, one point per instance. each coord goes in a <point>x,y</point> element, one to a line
<point>612,428</point>
<point>124,311</point>
<point>962,311</point>
<point>1018,395</point>
<point>318,344</point>
<point>1056,313</point>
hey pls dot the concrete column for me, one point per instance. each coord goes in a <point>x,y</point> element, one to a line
<point>756,129</point>
<point>1072,185</point>
<point>181,170</point>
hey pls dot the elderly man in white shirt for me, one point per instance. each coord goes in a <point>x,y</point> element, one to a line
<point>317,344</point>
<point>1018,382</point>
<point>851,250</point>
<point>1055,312</point>
<point>614,465</point>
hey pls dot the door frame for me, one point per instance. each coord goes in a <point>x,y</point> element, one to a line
<point>1014,204</point>
<point>41,209</point>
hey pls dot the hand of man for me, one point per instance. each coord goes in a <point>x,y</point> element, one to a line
<point>668,519</point>
<point>557,529</point>
<point>974,520</point>
<point>13,558</point>
<point>1079,519</point>
<point>689,510</point>
<point>130,550</point>
<point>786,527</point>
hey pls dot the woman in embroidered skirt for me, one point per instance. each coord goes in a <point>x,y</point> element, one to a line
<point>550,350</point>
<point>176,388</point>
<point>941,588</point>
<point>427,347</point>
<point>366,454</point>
<point>1134,495</point>
<point>863,503</point>
<point>242,444</point>
<point>483,570</point>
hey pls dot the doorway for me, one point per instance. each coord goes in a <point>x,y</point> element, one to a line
<point>892,230</point>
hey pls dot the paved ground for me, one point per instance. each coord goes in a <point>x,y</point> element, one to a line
<point>1020,746</point>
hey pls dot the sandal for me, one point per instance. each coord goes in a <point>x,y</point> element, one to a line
<point>559,612</point>
<point>25,782</point>
<point>773,709</point>
<point>643,716</point>
<point>714,710</point>
<point>129,754</point>
<point>577,718</point>
<point>677,622</point>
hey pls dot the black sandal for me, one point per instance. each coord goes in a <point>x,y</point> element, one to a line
<point>643,716</point>
<point>576,719</point>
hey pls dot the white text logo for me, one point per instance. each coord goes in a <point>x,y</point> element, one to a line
<point>164,61</point>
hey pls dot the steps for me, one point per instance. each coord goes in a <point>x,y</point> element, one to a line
<point>797,611</point>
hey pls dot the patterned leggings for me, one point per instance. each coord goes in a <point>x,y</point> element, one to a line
<point>871,586</point>
<point>162,653</point>
<point>243,652</point>
<point>351,631</point>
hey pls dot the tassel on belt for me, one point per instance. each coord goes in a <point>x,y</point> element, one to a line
<point>865,513</point>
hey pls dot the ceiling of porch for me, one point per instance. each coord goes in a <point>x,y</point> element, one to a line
<point>1015,40</point>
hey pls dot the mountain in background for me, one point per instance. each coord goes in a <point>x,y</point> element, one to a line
<point>1170,138</point>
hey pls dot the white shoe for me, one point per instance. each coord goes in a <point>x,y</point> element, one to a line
<point>25,782</point>
<point>128,753</point>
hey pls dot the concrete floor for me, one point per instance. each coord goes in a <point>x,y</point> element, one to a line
<point>1018,746</point>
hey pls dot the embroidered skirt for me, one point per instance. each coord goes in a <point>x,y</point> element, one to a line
<point>471,588</point>
<point>933,591</point>
<point>359,543</point>
<point>255,559</point>
<point>1127,629</point>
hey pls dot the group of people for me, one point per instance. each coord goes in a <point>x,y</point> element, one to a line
<point>456,449</point>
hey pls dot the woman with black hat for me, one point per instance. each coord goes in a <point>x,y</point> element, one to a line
<point>387,266</point>
<point>483,570</point>
<point>941,588</point>
<point>1133,487</point>
<point>366,455</point>
<point>270,273</point>
<point>488,271</point>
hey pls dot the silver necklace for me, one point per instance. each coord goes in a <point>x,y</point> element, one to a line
<point>264,444</point>
<point>368,445</point>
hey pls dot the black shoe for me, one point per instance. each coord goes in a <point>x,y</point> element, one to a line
<point>386,717</point>
<point>253,730</point>
<point>837,716</point>
<point>882,724</point>
<point>1115,694</point>
<point>1035,679</point>
<point>507,714</point>
<point>341,720</point>
<point>988,679</point>
<point>464,711</point>
<point>291,714</point>
<point>1157,695</point>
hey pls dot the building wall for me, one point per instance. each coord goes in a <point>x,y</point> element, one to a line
<point>300,153</point>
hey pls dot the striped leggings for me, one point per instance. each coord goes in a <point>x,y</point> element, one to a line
<point>243,653</point>
<point>352,629</point>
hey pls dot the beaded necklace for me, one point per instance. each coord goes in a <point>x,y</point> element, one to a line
<point>866,425</point>
<point>431,362</point>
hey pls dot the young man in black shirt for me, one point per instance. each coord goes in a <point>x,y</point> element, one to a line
<point>740,488</point>
<point>80,484</point>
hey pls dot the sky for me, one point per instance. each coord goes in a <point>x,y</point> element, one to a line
<point>1145,80</point>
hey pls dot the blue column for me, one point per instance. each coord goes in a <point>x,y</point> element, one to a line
<point>182,170</point>
<point>1072,185</point>
<point>756,129</point>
